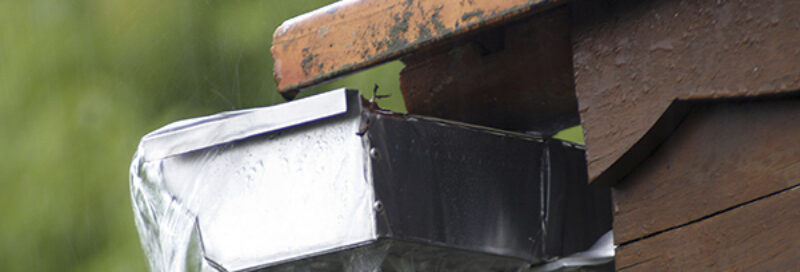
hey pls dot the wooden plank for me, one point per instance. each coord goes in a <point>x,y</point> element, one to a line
<point>759,236</point>
<point>633,58</point>
<point>515,77</point>
<point>351,35</point>
<point>722,155</point>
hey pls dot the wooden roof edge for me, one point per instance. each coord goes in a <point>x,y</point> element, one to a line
<point>348,36</point>
<point>668,122</point>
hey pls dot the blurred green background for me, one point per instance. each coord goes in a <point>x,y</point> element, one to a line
<point>82,80</point>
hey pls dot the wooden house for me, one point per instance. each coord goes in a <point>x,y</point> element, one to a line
<point>689,108</point>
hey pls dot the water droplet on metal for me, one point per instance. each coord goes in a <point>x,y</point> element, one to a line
<point>373,152</point>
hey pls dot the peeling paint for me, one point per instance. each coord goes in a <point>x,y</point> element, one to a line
<point>337,37</point>
<point>423,32</point>
<point>378,45</point>
<point>397,32</point>
<point>469,15</point>
<point>308,61</point>
<point>438,25</point>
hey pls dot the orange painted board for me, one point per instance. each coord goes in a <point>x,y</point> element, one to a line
<point>351,35</point>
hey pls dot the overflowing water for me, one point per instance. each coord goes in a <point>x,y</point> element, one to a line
<point>263,189</point>
<point>168,210</point>
<point>239,190</point>
<point>239,205</point>
<point>167,230</point>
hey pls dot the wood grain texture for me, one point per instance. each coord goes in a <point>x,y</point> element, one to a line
<point>634,58</point>
<point>516,77</point>
<point>759,236</point>
<point>351,35</point>
<point>722,155</point>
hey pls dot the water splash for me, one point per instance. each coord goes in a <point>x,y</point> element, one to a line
<point>238,192</point>
<point>168,231</point>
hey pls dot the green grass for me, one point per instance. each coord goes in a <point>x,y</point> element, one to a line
<point>573,134</point>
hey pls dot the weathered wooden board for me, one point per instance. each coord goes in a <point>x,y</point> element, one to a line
<point>351,35</point>
<point>760,236</point>
<point>517,77</point>
<point>722,155</point>
<point>634,58</point>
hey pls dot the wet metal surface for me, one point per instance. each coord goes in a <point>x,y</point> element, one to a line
<point>599,256</point>
<point>483,190</point>
<point>426,191</point>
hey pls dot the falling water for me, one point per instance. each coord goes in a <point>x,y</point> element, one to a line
<point>166,228</point>
<point>240,191</point>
